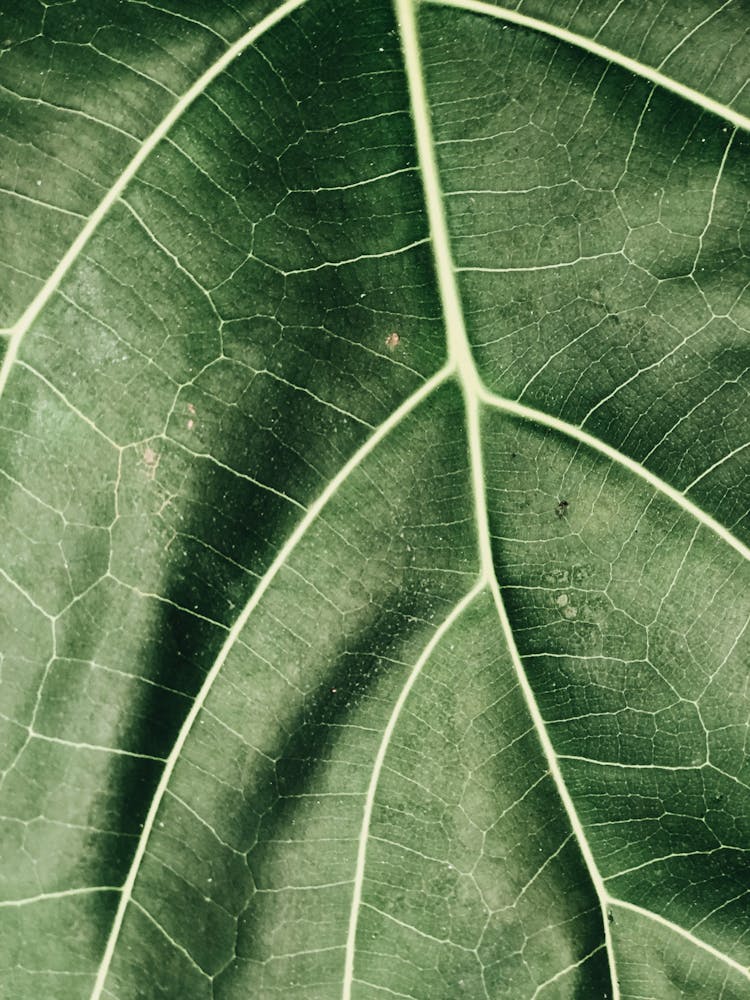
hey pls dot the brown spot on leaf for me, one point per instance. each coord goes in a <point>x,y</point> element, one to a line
<point>151,460</point>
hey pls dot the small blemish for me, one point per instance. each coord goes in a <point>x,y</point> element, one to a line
<point>562,508</point>
<point>151,460</point>
<point>570,611</point>
<point>392,341</point>
<point>562,600</point>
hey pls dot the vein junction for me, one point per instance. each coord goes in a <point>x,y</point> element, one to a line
<point>461,365</point>
<point>461,357</point>
<point>475,394</point>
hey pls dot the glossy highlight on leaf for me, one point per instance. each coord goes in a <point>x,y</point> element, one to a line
<point>374,483</point>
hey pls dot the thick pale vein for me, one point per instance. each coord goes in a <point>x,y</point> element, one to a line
<point>461,364</point>
<point>676,929</point>
<point>48,289</point>
<point>460,351</point>
<point>281,558</point>
<point>359,875</point>
<point>604,52</point>
<point>578,434</point>
<point>551,758</point>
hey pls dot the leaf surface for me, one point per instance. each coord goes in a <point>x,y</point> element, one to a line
<point>374,471</point>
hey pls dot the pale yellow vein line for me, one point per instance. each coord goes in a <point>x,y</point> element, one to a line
<point>385,741</point>
<point>565,972</point>
<point>44,897</point>
<point>20,329</point>
<point>578,434</point>
<point>682,932</point>
<point>604,52</point>
<point>69,404</point>
<point>281,558</point>
<point>712,204</point>
<point>552,760</point>
<point>458,344</point>
<point>715,465</point>
<point>696,28</point>
<point>473,390</point>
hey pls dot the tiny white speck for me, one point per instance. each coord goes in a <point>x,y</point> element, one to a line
<point>562,600</point>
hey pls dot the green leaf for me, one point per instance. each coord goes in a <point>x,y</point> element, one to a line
<point>374,484</point>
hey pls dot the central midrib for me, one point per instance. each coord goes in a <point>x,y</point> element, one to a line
<point>460,354</point>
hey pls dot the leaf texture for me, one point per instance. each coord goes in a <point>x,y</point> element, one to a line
<point>374,496</point>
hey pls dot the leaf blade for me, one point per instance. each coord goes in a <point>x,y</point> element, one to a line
<point>304,391</point>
